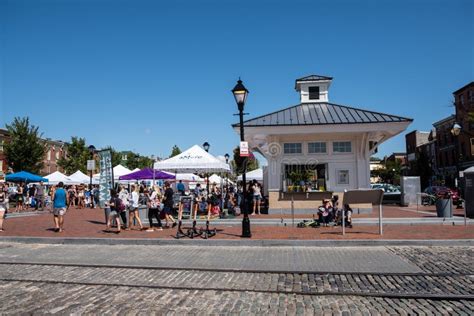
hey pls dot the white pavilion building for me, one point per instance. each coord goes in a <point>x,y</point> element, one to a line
<point>318,148</point>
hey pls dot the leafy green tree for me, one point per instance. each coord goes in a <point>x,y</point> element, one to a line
<point>175,151</point>
<point>391,172</point>
<point>24,150</point>
<point>238,162</point>
<point>135,160</point>
<point>77,156</point>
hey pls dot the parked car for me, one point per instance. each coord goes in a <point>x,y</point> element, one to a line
<point>392,193</point>
<point>437,192</point>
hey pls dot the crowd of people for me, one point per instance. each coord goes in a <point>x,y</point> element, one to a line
<point>160,203</point>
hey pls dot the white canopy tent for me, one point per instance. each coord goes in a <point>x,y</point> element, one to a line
<point>215,179</point>
<point>119,170</point>
<point>57,177</point>
<point>79,177</point>
<point>136,169</point>
<point>193,160</point>
<point>256,174</point>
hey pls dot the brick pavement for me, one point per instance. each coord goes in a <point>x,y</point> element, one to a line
<point>293,259</point>
<point>90,223</point>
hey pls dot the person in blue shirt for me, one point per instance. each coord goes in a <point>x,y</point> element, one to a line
<point>60,203</point>
<point>180,187</point>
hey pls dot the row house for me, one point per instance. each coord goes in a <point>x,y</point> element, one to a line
<point>55,150</point>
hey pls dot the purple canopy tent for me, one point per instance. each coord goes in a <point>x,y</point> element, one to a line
<point>147,174</point>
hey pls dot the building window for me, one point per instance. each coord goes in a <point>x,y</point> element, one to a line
<point>1,145</point>
<point>342,147</point>
<point>48,156</point>
<point>461,99</point>
<point>57,155</point>
<point>472,146</point>
<point>124,157</point>
<point>471,95</point>
<point>342,177</point>
<point>1,166</point>
<point>317,148</point>
<point>313,93</point>
<point>292,148</point>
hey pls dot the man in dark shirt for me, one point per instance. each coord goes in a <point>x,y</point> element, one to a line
<point>168,204</point>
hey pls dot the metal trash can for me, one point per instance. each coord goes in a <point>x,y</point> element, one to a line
<point>444,207</point>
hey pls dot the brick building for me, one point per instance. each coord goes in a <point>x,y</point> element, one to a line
<point>421,156</point>
<point>464,104</point>
<point>55,149</point>
<point>445,151</point>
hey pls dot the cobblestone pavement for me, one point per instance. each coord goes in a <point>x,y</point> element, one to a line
<point>441,282</point>
<point>439,259</point>
<point>297,283</point>
<point>43,298</point>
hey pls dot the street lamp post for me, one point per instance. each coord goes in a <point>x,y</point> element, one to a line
<point>456,131</point>
<point>240,95</point>
<point>206,148</point>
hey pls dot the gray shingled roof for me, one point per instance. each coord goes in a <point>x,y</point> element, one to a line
<point>314,78</point>
<point>321,113</point>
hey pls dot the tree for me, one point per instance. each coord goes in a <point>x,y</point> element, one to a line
<point>175,151</point>
<point>137,161</point>
<point>391,172</point>
<point>238,162</point>
<point>77,156</point>
<point>25,150</point>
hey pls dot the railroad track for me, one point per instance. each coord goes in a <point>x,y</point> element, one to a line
<point>432,286</point>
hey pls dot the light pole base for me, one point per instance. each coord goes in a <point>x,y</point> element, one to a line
<point>246,227</point>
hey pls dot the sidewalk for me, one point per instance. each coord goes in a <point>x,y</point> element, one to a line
<point>89,223</point>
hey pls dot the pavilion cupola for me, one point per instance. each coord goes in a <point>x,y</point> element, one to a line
<point>313,88</point>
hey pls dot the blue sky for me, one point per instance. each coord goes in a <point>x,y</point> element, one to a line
<point>145,75</point>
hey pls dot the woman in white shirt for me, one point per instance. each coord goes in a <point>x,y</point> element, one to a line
<point>257,197</point>
<point>133,213</point>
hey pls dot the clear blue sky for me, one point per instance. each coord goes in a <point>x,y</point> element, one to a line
<point>145,75</point>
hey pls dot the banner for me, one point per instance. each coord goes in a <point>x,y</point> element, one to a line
<point>244,149</point>
<point>106,176</point>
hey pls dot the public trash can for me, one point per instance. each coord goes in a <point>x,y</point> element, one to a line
<point>444,207</point>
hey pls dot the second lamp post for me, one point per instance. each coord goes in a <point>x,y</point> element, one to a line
<point>240,95</point>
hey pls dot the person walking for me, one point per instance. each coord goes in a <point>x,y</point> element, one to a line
<point>154,209</point>
<point>133,213</point>
<point>3,205</point>
<point>60,203</point>
<point>19,198</point>
<point>116,207</point>
<point>123,195</point>
<point>39,195</point>
<point>168,205</point>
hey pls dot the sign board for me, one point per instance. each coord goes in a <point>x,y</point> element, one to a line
<point>361,196</point>
<point>91,165</point>
<point>106,177</point>
<point>244,149</point>
<point>186,205</point>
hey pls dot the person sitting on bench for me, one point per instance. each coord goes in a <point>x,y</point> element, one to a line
<point>324,213</point>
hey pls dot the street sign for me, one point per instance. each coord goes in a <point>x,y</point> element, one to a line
<point>91,165</point>
<point>244,149</point>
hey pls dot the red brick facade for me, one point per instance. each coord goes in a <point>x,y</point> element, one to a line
<point>464,103</point>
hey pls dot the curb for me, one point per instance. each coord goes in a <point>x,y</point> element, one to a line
<point>239,243</point>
